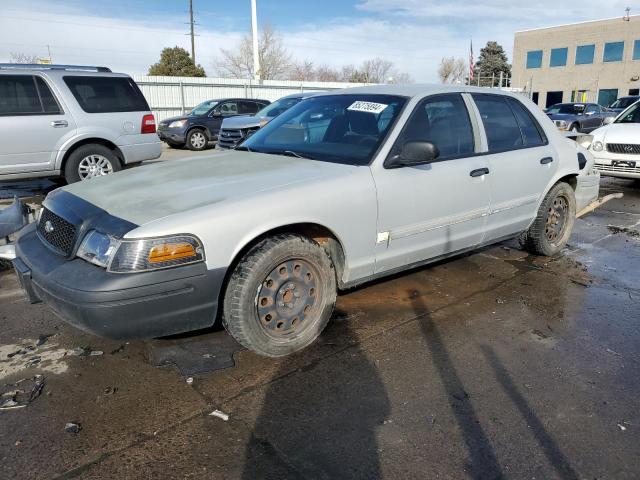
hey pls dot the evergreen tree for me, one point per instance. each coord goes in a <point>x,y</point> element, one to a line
<point>176,62</point>
<point>491,62</point>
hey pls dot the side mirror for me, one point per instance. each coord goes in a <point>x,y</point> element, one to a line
<point>608,120</point>
<point>589,113</point>
<point>415,153</point>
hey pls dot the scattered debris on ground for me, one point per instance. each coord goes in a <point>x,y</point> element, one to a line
<point>220,414</point>
<point>119,349</point>
<point>629,231</point>
<point>72,427</point>
<point>21,393</point>
<point>85,352</point>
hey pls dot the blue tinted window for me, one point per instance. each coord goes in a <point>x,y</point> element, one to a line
<point>584,54</point>
<point>534,59</point>
<point>558,57</point>
<point>636,50</point>
<point>613,52</point>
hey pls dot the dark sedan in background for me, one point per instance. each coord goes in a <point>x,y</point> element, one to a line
<point>202,124</point>
<point>623,102</point>
<point>579,117</point>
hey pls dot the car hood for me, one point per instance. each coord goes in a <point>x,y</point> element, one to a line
<point>150,192</point>
<point>167,121</point>
<point>243,121</point>
<point>618,133</point>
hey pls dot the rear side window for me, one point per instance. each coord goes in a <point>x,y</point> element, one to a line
<point>532,133</point>
<point>49,103</point>
<point>107,94</point>
<point>18,95</point>
<point>444,121</point>
<point>500,125</point>
<point>248,108</point>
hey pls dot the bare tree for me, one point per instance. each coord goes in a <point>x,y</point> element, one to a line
<point>452,70</point>
<point>20,57</point>
<point>401,77</point>
<point>325,73</point>
<point>275,59</point>
<point>303,71</point>
<point>376,70</point>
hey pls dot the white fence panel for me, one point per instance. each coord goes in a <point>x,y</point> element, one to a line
<point>172,96</point>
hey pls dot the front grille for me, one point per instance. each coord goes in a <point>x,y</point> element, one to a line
<point>57,232</point>
<point>230,138</point>
<point>624,148</point>
<point>610,168</point>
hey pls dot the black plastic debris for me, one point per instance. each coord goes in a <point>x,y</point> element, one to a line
<point>42,339</point>
<point>72,427</point>
<point>194,355</point>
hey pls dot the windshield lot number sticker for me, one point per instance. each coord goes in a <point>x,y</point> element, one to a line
<point>369,107</point>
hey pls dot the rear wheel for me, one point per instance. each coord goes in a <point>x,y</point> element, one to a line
<point>90,161</point>
<point>197,140</point>
<point>280,296</point>
<point>552,227</point>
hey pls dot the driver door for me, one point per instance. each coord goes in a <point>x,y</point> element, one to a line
<point>218,114</point>
<point>594,117</point>
<point>432,210</point>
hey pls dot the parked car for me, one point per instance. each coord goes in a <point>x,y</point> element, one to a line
<point>72,121</point>
<point>623,102</point>
<point>578,117</point>
<point>616,147</point>
<point>202,124</point>
<point>339,190</point>
<point>235,130</point>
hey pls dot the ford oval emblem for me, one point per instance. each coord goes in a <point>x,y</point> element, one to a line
<point>48,226</point>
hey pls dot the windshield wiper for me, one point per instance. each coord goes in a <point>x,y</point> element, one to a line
<point>291,153</point>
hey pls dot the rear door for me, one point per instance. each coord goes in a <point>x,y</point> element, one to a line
<point>521,161</point>
<point>33,124</point>
<point>431,210</point>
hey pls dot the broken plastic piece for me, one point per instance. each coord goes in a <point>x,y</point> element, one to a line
<point>72,427</point>
<point>220,414</point>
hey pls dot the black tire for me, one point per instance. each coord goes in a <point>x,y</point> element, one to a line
<point>194,140</point>
<point>72,167</point>
<point>552,227</point>
<point>255,312</point>
<point>175,144</point>
<point>574,127</point>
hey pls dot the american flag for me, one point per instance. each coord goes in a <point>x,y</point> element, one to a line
<point>471,69</point>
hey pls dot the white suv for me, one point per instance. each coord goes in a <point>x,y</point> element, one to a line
<point>74,121</point>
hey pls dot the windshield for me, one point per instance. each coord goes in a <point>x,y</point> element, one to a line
<point>203,108</point>
<point>567,108</point>
<point>624,102</point>
<point>332,128</point>
<point>630,115</point>
<point>277,107</point>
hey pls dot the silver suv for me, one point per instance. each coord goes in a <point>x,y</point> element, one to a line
<point>74,121</point>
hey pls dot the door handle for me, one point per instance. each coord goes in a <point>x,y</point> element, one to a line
<point>478,172</point>
<point>59,123</point>
<point>546,160</point>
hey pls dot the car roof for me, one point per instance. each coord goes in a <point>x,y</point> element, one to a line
<point>234,99</point>
<point>418,90</point>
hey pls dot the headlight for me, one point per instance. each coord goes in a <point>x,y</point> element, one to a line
<point>561,124</point>
<point>98,248</point>
<point>156,253</point>
<point>597,146</point>
<point>177,124</point>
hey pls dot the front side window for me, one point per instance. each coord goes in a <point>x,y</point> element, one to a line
<point>442,120</point>
<point>632,115</point>
<point>534,59</point>
<point>567,109</point>
<point>591,109</point>
<point>203,108</point>
<point>584,54</point>
<point>558,57</point>
<point>613,52</point>
<point>26,95</point>
<point>333,128</point>
<point>532,132</point>
<point>500,124</point>
<point>107,94</point>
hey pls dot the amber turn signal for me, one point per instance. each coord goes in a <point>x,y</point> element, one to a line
<point>171,251</point>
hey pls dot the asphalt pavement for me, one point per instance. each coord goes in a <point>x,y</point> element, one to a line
<point>495,364</point>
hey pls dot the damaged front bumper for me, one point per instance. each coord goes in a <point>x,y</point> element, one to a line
<point>118,306</point>
<point>587,189</point>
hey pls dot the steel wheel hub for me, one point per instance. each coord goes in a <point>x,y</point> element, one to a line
<point>556,219</point>
<point>94,166</point>
<point>287,298</point>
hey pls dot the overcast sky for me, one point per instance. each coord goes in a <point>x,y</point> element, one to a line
<point>128,35</point>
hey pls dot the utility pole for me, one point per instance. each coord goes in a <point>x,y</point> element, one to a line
<point>193,41</point>
<point>254,29</point>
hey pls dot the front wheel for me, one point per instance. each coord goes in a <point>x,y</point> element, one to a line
<point>280,296</point>
<point>553,224</point>
<point>574,128</point>
<point>197,140</point>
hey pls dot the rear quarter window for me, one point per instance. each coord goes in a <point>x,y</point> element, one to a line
<point>107,94</point>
